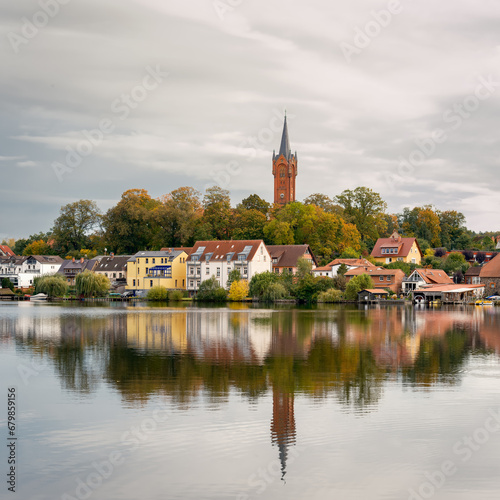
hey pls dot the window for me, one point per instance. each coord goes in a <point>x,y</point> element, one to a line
<point>388,278</point>
<point>182,283</point>
<point>147,270</point>
<point>381,278</point>
<point>147,261</point>
<point>138,270</point>
<point>133,282</point>
<point>175,283</point>
<point>151,283</point>
<point>277,270</point>
<point>264,258</point>
<point>245,270</point>
<point>218,272</point>
<point>207,271</point>
<point>153,260</point>
<point>191,271</point>
<point>198,271</point>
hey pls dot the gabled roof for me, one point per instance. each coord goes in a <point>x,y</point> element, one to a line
<point>437,276</point>
<point>395,241</point>
<point>221,250</point>
<point>47,259</point>
<point>288,255</point>
<point>115,263</point>
<point>5,250</point>
<point>473,271</point>
<point>491,269</point>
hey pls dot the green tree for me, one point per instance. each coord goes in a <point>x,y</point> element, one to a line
<point>22,243</point>
<point>349,253</point>
<point>260,282</point>
<point>6,283</point>
<point>233,276</point>
<point>454,235</point>
<point>325,203</point>
<point>89,284</point>
<point>274,292</point>
<point>254,202</point>
<point>130,225</point>
<point>178,214</point>
<point>218,213</point>
<point>356,284</point>
<point>54,285</point>
<point>39,247</point>
<point>455,262</point>
<point>211,291</point>
<point>278,233</point>
<point>158,294</point>
<point>74,225</point>
<point>248,224</point>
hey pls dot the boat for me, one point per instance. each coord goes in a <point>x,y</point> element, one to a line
<point>483,303</point>
<point>39,296</point>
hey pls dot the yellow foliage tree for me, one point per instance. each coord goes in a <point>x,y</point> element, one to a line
<point>238,290</point>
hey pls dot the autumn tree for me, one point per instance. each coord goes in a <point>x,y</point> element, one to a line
<point>324,202</point>
<point>39,247</point>
<point>248,224</point>
<point>74,225</point>
<point>130,225</point>
<point>366,210</point>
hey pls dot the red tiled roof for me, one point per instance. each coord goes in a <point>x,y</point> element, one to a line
<point>5,250</point>
<point>436,276</point>
<point>491,269</point>
<point>219,249</point>
<point>395,241</point>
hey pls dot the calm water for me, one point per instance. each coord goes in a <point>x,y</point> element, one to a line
<point>120,402</point>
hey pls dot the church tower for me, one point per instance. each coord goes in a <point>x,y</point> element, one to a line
<point>284,170</point>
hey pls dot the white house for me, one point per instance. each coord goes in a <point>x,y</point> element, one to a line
<point>38,265</point>
<point>219,258</point>
<point>10,267</point>
<point>331,269</point>
<point>422,277</point>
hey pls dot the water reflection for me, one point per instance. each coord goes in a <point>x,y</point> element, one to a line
<point>180,354</point>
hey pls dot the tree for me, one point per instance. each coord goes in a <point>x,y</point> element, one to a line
<point>21,244</point>
<point>158,294</point>
<point>54,285</point>
<point>453,231</point>
<point>278,233</point>
<point>440,252</point>
<point>233,276</point>
<point>6,283</point>
<point>455,262</point>
<point>177,215</point>
<point>39,247</point>
<point>75,223</point>
<point>480,257</point>
<point>366,210</point>
<point>218,213</point>
<point>260,282</point>
<point>130,224</point>
<point>324,202</point>
<point>356,284</point>
<point>248,224</point>
<point>349,253</point>
<point>254,202</point>
<point>89,284</point>
<point>274,292</point>
<point>238,290</point>
<point>210,290</point>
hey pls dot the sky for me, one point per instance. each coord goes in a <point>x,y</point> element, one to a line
<point>100,97</point>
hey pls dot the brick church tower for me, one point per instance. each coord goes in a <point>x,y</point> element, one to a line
<point>284,171</point>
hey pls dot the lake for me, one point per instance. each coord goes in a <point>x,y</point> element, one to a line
<point>120,401</point>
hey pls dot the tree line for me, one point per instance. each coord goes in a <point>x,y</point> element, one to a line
<point>348,223</point>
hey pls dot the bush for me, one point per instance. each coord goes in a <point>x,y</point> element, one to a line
<point>175,295</point>
<point>89,284</point>
<point>210,290</point>
<point>274,292</point>
<point>238,291</point>
<point>54,285</point>
<point>157,293</point>
<point>6,283</point>
<point>261,282</point>
<point>331,295</point>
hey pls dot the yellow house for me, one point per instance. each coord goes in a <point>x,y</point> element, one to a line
<point>146,270</point>
<point>397,249</point>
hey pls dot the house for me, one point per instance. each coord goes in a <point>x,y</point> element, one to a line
<point>331,269</point>
<point>219,258</point>
<point>471,276</point>
<point>113,267</point>
<point>490,276</point>
<point>38,265</point>
<point>11,267</point>
<point>285,257</point>
<point>421,277</point>
<point>148,269</point>
<point>371,294</point>
<point>71,268</point>
<point>382,278</point>
<point>397,249</point>
<point>5,251</point>
<point>448,293</point>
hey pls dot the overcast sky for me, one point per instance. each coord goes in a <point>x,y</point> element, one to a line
<point>192,93</point>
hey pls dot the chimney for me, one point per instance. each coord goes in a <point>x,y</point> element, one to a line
<point>81,260</point>
<point>73,259</point>
<point>111,255</point>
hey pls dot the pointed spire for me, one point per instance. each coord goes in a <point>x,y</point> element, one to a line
<point>285,143</point>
